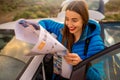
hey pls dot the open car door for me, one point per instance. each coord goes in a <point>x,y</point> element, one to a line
<point>111,59</point>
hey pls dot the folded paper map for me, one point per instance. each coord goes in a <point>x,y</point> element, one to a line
<point>43,41</point>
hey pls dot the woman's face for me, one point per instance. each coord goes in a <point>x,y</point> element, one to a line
<point>74,22</point>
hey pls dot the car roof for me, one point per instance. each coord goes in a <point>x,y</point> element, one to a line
<point>11,25</point>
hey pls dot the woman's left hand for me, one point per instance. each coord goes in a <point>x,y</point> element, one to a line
<point>72,58</point>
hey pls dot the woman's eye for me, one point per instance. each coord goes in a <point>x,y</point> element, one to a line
<point>74,20</point>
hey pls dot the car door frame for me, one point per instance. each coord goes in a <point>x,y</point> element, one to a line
<point>82,66</point>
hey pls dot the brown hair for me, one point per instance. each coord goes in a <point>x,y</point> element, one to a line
<point>80,7</point>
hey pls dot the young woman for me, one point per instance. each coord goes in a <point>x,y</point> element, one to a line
<point>74,32</point>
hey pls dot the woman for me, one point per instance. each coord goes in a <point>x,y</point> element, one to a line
<point>75,30</point>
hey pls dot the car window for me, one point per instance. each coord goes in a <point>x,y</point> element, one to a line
<point>111,65</point>
<point>112,32</point>
<point>105,65</point>
<point>5,37</point>
<point>12,55</point>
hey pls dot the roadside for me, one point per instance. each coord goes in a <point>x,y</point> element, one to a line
<point>39,9</point>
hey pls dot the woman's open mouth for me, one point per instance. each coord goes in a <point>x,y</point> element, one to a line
<point>72,28</point>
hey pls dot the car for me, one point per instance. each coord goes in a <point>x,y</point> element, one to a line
<point>15,65</point>
<point>13,59</point>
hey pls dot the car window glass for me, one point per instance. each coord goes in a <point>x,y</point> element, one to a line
<point>108,65</point>
<point>4,37</point>
<point>112,33</point>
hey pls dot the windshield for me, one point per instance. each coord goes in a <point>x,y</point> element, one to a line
<point>12,55</point>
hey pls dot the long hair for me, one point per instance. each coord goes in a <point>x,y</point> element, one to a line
<point>80,7</point>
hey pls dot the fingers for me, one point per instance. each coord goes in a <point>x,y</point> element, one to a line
<point>72,58</point>
<point>71,55</point>
<point>72,62</point>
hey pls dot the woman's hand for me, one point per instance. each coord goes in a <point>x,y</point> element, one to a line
<point>72,58</point>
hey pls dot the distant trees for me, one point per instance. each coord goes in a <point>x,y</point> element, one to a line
<point>112,10</point>
<point>9,5</point>
<point>30,8</point>
<point>45,8</point>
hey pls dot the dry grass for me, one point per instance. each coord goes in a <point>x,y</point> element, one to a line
<point>14,9</point>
